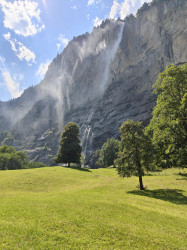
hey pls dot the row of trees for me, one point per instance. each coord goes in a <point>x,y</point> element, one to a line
<point>11,159</point>
<point>161,144</point>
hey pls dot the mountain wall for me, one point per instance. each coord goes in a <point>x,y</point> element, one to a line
<point>98,81</point>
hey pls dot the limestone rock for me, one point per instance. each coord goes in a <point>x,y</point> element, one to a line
<point>99,80</point>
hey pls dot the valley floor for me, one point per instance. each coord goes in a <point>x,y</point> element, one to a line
<point>63,208</point>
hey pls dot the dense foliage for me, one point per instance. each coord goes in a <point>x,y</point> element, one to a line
<point>108,153</point>
<point>70,148</point>
<point>6,137</point>
<point>11,159</point>
<point>168,126</point>
<point>135,153</point>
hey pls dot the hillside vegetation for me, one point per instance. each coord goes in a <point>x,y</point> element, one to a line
<point>64,208</point>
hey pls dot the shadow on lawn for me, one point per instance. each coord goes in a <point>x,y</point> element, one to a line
<point>173,195</point>
<point>79,168</point>
<point>183,175</point>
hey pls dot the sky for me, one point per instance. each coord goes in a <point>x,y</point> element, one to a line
<point>33,32</point>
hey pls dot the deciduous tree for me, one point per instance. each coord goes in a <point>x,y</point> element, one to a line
<point>136,151</point>
<point>108,153</point>
<point>168,126</point>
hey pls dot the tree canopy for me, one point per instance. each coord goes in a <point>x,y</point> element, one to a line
<point>11,159</point>
<point>168,126</point>
<point>135,154</point>
<point>70,148</point>
<point>108,153</point>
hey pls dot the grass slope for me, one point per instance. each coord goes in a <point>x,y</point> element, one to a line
<point>63,208</point>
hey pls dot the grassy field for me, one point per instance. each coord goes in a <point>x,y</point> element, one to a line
<point>63,208</point>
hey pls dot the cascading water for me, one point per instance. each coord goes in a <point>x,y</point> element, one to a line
<point>87,133</point>
<point>86,139</point>
<point>86,128</point>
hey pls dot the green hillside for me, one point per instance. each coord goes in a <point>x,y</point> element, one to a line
<point>63,208</point>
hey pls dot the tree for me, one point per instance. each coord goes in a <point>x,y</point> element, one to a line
<point>12,159</point>
<point>135,152</point>
<point>108,153</point>
<point>168,126</point>
<point>70,148</point>
<point>7,149</point>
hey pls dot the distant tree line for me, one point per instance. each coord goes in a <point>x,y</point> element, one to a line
<point>11,159</point>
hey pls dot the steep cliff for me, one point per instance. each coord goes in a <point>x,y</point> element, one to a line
<point>99,81</point>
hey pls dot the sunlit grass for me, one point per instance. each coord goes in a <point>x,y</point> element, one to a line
<point>62,208</point>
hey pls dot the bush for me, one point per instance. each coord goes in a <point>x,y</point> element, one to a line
<point>11,159</point>
<point>33,164</point>
<point>108,153</point>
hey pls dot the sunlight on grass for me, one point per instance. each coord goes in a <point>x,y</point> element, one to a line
<point>62,208</point>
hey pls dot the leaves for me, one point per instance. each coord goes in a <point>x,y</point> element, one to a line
<point>168,125</point>
<point>136,151</point>
<point>108,153</point>
<point>70,148</point>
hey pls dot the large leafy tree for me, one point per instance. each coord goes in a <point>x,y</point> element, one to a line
<point>168,125</point>
<point>70,148</point>
<point>108,153</point>
<point>12,159</point>
<point>135,153</point>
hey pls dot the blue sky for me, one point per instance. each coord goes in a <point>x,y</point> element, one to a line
<point>32,32</point>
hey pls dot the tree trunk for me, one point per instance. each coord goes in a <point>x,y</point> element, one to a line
<point>141,183</point>
<point>68,164</point>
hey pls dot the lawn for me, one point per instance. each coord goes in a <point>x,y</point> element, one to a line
<point>64,208</point>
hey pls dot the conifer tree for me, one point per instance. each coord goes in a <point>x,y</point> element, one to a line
<point>70,148</point>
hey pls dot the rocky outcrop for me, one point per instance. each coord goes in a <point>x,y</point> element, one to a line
<point>100,80</point>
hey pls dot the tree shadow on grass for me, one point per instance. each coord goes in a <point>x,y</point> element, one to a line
<point>78,168</point>
<point>183,175</point>
<point>173,195</point>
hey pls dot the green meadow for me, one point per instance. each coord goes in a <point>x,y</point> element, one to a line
<point>66,208</point>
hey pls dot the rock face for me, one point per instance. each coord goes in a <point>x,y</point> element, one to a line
<point>100,80</point>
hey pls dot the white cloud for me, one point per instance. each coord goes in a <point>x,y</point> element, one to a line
<point>18,77</point>
<point>88,16</point>
<point>43,69</point>
<point>124,8</point>
<point>97,21</point>
<point>115,9</point>
<point>90,2</point>
<point>63,41</point>
<point>131,6</point>
<point>74,7</point>
<point>23,17</point>
<point>12,85</point>
<point>22,52</point>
